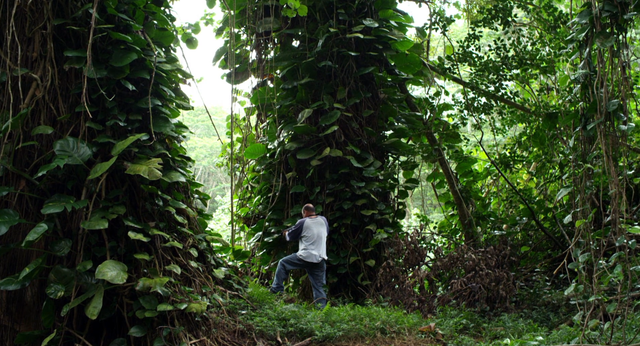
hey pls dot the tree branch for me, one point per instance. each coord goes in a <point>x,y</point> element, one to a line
<point>515,189</point>
<point>478,90</point>
<point>466,219</point>
<point>632,148</point>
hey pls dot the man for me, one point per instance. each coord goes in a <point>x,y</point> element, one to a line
<point>311,232</point>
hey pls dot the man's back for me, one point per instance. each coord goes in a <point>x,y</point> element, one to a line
<point>311,233</point>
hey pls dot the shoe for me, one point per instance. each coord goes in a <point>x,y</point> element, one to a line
<point>274,291</point>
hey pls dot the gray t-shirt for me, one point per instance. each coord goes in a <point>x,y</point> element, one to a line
<point>311,233</point>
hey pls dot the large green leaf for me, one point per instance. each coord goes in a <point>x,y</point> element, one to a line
<point>324,153</point>
<point>330,117</point>
<point>59,202</point>
<point>95,222</point>
<point>255,151</point>
<point>119,36</point>
<point>121,57</point>
<point>330,130</point>
<point>385,4</point>
<point>112,271</point>
<point>42,130</point>
<point>153,285</point>
<point>298,188</point>
<point>57,162</point>
<point>408,63</point>
<point>149,169</point>
<point>634,230</point>
<point>138,236</point>
<point>392,15</point>
<point>75,150</point>
<point>563,192</point>
<point>402,45</point>
<point>335,152</point>
<point>92,310</point>
<point>122,145</point>
<point>174,268</point>
<point>48,315</point>
<point>165,307</point>
<point>30,271</point>
<point>173,177</point>
<point>101,167</point>
<point>35,234</point>
<point>138,331</point>
<point>370,23</point>
<point>5,190</point>
<point>55,290</point>
<point>61,282</point>
<point>84,266</point>
<point>304,129</point>
<point>61,247</point>
<point>305,153</point>
<point>15,122</point>
<point>142,256</point>
<point>12,283</point>
<point>190,41</point>
<point>8,218</point>
<point>304,115</point>
<point>67,307</point>
<point>45,342</point>
<point>76,52</point>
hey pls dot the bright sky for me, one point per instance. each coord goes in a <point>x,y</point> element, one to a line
<point>213,89</point>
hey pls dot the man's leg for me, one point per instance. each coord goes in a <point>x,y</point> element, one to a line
<point>282,273</point>
<point>317,276</point>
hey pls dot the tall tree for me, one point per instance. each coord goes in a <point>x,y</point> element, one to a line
<point>101,226</point>
<point>330,113</point>
<point>553,109</point>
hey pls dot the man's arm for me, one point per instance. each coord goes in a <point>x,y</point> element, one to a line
<point>295,232</point>
<point>326,223</point>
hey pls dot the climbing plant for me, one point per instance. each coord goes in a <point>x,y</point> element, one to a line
<point>552,113</point>
<point>328,108</point>
<point>102,226</point>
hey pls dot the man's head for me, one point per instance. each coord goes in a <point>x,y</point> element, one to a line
<point>308,210</point>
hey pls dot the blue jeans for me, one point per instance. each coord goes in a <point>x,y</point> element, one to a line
<point>315,271</point>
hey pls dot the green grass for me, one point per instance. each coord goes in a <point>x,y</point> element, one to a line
<point>272,317</point>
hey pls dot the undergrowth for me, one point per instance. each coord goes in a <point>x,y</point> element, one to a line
<point>463,327</point>
<point>532,327</point>
<point>273,317</point>
<point>269,319</point>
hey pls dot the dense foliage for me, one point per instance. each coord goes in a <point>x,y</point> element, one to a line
<point>101,222</point>
<point>327,125</point>
<point>522,127</point>
<point>516,120</point>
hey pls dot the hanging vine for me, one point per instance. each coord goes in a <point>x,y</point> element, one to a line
<point>102,226</point>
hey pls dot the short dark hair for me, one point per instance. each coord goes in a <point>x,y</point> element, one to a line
<point>309,208</point>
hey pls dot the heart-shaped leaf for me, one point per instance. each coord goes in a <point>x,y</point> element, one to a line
<point>75,150</point>
<point>255,150</point>
<point>8,218</point>
<point>112,271</point>
<point>122,57</point>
